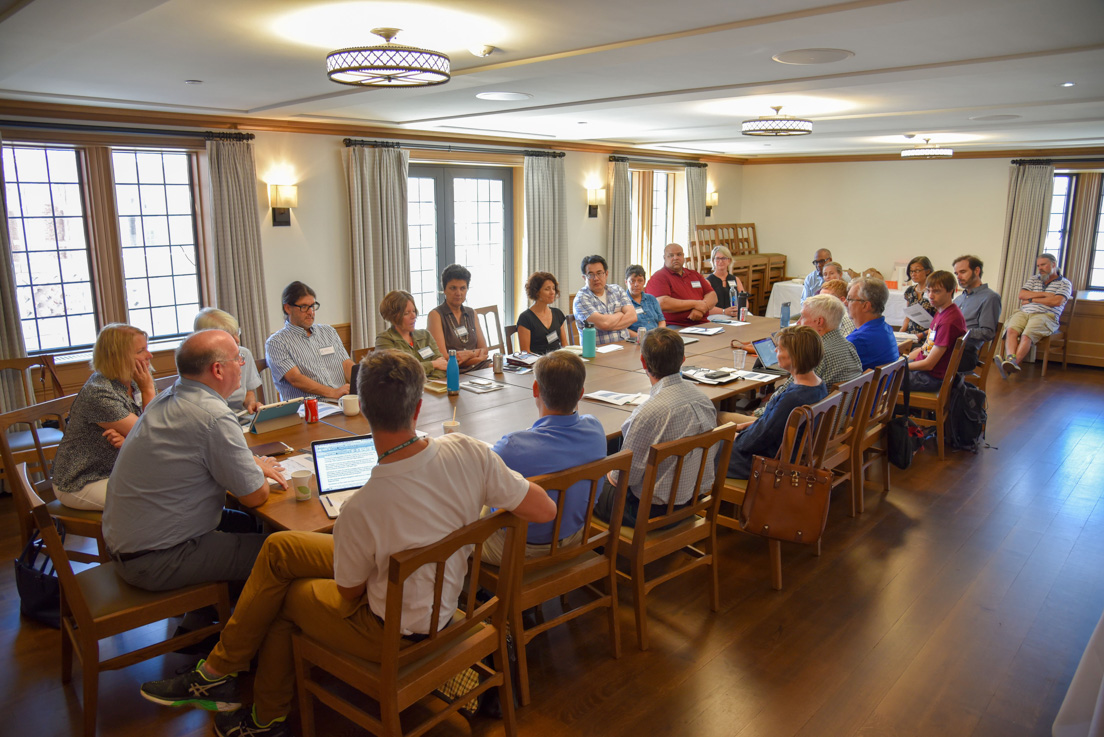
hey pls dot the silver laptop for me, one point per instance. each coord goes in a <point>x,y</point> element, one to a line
<point>341,467</point>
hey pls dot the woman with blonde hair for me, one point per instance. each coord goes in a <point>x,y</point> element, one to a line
<point>722,282</point>
<point>398,308</point>
<point>244,399</point>
<point>103,414</point>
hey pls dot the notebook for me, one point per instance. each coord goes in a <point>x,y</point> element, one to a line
<point>341,467</point>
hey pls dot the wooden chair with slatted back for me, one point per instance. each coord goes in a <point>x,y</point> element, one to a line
<point>849,426</point>
<point>38,378</point>
<point>96,604</point>
<point>572,326</point>
<point>511,344</point>
<point>1061,335</point>
<point>78,522</point>
<point>980,374</point>
<point>822,417</point>
<point>758,285</point>
<point>586,564</point>
<point>741,269</point>
<point>870,445</point>
<point>483,317</point>
<point>409,672</point>
<point>692,529</point>
<point>937,402</point>
<point>360,353</point>
<point>262,366</point>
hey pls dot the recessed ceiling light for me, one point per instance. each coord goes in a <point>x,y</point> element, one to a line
<point>503,96</point>
<point>813,56</point>
<point>1067,84</point>
<point>482,50</point>
<point>193,81</point>
<point>994,118</point>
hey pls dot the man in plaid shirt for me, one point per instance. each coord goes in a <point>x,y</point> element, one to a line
<point>605,306</point>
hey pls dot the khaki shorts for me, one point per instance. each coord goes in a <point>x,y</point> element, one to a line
<point>1035,325</point>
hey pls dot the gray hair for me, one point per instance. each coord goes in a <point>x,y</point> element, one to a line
<point>825,306</point>
<point>873,291</point>
<point>213,317</point>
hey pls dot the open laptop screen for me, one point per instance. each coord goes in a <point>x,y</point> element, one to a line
<point>768,356</point>
<point>341,464</point>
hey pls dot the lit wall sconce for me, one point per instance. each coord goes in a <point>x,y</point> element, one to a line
<point>281,198</point>
<point>710,203</point>
<point>595,197</point>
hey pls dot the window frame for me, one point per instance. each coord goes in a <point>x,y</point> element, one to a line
<point>1072,202</point>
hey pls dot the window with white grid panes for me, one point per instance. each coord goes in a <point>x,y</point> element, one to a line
<point>422,227</point>
<point>50,256</point>
<point>1096,272</point>
<point>157,233</point>
<point>1057,233</point>
<point>661,215</point>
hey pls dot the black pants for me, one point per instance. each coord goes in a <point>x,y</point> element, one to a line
<point>603,508</point>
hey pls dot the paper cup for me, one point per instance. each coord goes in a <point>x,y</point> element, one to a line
<point>301,483</point>
<point>451,426</point>
<point>739,358</point>
<point>350,405</point>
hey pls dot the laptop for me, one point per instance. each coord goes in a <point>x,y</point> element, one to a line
<point>354,372</point>
<point>767,361</point>
<point>341,467</point>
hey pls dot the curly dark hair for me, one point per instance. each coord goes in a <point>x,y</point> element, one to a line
<point>536,282</point>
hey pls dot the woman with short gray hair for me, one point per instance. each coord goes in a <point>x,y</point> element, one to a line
<point>244,399</point>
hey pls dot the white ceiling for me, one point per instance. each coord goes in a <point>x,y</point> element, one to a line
<point>657,74</point>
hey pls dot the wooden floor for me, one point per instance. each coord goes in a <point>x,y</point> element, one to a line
<point>959,604</point>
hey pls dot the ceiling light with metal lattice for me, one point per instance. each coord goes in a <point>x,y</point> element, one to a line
<point>927,151</point>
<point>388,65</point>
<point>777,125</point>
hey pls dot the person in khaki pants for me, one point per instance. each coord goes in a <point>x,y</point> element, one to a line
<point>1042,299</point>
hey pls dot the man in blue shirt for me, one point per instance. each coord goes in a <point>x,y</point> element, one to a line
<point>560,439</point>
<point>815,278</point>
<point>648,313</point>
<point>872,337</point>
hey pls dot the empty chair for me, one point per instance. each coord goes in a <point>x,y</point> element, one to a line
<point>870,442</point>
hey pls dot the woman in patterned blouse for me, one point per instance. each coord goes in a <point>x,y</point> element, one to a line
<point>918,270</point>
<point>453,325</point>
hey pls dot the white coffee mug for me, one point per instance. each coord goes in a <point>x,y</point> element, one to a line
<point>350,405</point>
<point>301,482</point>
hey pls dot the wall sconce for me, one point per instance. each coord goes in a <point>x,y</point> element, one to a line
<point>281,198</point>
<point>595,197</point>
<point>710,203</point>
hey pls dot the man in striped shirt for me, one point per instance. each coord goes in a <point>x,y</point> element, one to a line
<point>1042,299</point>
<point>306,359</point>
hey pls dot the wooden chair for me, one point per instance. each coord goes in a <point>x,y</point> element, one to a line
<point>360,353</point>
<point>849,425</point>
<point>35,389</point>
<point>262,366</point>
<point>582,565</point>
<point>741,269</point>
<point>483,317</point>
<point>870,442</point>
<point>822,418</point>
<point>683,529</point>
<point>572,326</point>
<point>936,402</point>
<point>164,382</point>
<point>511,345</point>
<point>980,374</point>
<point>1061,335</point>
<point>97,604</point>
<point>408,672</point>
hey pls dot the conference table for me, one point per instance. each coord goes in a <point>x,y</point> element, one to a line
<point>790,291</point>
<point>509,408</point>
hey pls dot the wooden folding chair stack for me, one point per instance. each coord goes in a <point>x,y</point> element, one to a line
<point>1059,336</point>
<point>937,402</point>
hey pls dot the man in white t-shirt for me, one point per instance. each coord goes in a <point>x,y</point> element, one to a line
<point>333,588</point>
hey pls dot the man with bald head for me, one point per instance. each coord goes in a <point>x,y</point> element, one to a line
<point>164,522</point>
<point>683,294</point>
<point>815,278</point>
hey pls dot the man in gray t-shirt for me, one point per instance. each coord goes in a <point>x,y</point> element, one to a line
<point>164,522</point>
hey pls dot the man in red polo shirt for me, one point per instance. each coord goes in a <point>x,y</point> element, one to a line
<point>683,294</point>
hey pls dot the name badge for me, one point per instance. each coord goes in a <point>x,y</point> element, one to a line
<point>696,284</point>
<point>640,310</point>
<point>426,353</point>
<point>462,331</point>
<point>553,337</point>
<point>327,351</point>
<point>732,281</point>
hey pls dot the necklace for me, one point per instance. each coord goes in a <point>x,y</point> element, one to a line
<point>399,447</point>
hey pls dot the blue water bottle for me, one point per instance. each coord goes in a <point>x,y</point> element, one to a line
<point>785,321</point>
<point>732,298</point>
<point>452,375</point>
<point>590,339</point>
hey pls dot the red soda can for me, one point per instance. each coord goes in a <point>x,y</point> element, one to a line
<point>311,411</point>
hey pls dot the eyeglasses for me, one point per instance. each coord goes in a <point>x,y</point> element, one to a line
<point>592,275</point>
<point>721,258</point>
<point>240,360</point>
<point>856,299</point>
<point>819,261</point>
<point>308,308</point>
<point>917,270</point>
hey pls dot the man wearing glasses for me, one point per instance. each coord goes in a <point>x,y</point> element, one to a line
<point>306,359</point>
<point>872,337</point>
<point>605,306</point>
<point>815,278</point>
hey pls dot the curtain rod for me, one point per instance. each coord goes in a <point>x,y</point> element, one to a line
<point>681,162</point>
<point>456,149</point>
<point>209,135</point>
<point>1048,162</point>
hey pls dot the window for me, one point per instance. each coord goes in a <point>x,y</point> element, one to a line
<point>1069,205</point>
<point>80,263</point>
<point>1058,225</point>
<point>1096,273</point>
<point>653,216</point>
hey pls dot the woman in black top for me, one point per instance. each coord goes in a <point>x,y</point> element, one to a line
<point>542,328</point>
<point>722,281</point>
<point>452,323</point>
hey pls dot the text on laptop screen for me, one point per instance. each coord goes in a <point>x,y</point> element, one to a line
<point>343,463</point>
<point>767,354</point>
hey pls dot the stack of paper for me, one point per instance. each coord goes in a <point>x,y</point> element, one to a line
<point>616,397</point>
<point>702,330</point>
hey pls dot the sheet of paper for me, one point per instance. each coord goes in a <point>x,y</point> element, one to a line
<point>301,462</point>
<point>609,348</point>
<point>702,330</point>
<point>917,314</point>
<point>324,409</point>
<point>616,397</point>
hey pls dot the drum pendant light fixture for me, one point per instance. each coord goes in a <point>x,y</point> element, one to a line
<point>927,151</point>
<point>777,125</point>
<point>388,65</point>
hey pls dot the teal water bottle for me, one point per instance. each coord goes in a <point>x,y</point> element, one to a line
<point>590,339</point>
<point>452,375</point>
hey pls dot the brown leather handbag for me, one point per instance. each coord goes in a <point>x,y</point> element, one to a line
<point>788,501</point>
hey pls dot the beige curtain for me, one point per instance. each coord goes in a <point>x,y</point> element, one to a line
<point>1030,187</point>
<point>239,266</point>
<point>641,214</point>
<point>620,220</point>
<point>546,220</point>
<point>11,331</point>
<point>696,184</point>
<point>379,237</point>
<point>1083,229</point>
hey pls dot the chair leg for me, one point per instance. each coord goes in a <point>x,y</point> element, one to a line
<point>1046,356</point>
<point>389,713</point>
<point>66,651</point>
<point>775,564</point>
<point>817,552</point>
<point>306,698</point>
<point>517,627</point>
<point>714,574</point>
<point>614,622</point>
<point>639,605</point>
<point>505,691</point>
<point>885,469</point>
<point>90,677</point>
<point>858,481</point>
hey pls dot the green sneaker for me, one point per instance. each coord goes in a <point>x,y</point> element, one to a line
<point>243,723</point>
<point>195,689</point>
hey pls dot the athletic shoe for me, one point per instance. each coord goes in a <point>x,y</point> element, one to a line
<point>243,723</point>
<point>999,363</point>
<point>1013,365</point>
<point>195,689</point>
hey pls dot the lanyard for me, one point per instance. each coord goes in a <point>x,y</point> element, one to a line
<point>399,447</point>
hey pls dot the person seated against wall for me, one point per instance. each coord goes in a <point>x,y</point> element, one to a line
<point>102,415</point>
<point>306,358</point>
<point>981,307</point>
<point>560,439</point>
<point>605,306</point>
<point>542,327</point>
<point>838,289</point>
<point>928,363</point>
<point>244,399</point>
<point>815,278</point>
<point>454,326</point>
<point>684,295</point>
<point>648,314</point>
<point>1042,299</point>
<point>918,270</point>
<point>722,282</point>
<point>398,308</point>
<point>872,337</point>
<point>800,351</point>
<point>834,270</point>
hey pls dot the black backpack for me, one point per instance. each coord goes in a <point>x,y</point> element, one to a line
<point>964,428</point>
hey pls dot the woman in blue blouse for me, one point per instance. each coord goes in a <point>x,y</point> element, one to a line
<point>648,314</point>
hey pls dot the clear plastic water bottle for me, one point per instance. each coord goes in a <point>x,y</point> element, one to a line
<point>452,375</point>
<point>733,300</point>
